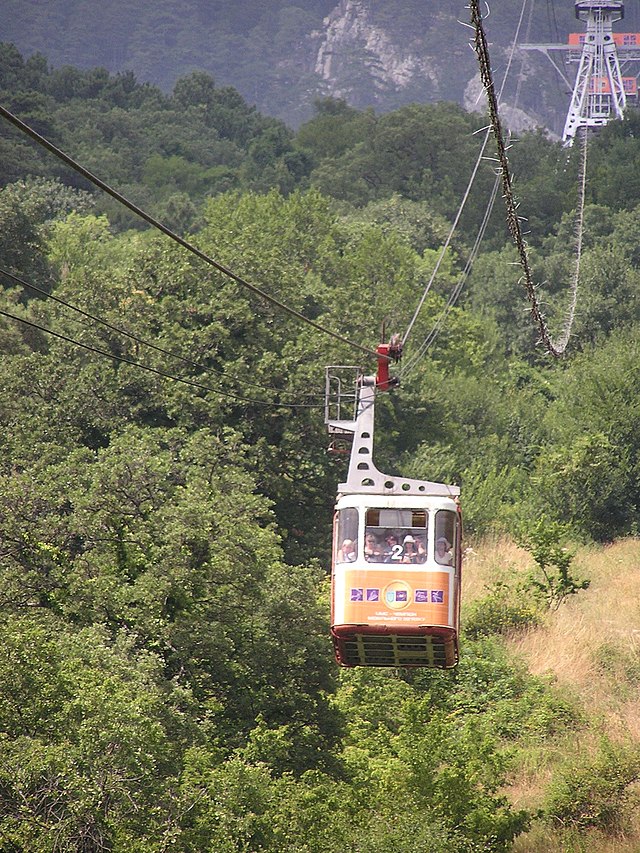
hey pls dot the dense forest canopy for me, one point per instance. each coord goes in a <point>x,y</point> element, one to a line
<point>165,674</point>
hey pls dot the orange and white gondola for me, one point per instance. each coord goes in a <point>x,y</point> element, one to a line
<point>395,592</point>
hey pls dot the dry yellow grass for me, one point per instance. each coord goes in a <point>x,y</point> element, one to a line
<point>590,646</point>
<point>567,646</point>
<point>541,840</point>
<point>484,562</point>
<point>587,641</point>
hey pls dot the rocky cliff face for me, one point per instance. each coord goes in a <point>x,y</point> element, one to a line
<point>368,64</point>
<point>352,41</point>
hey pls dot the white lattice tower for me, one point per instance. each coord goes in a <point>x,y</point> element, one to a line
<point>598,92</point>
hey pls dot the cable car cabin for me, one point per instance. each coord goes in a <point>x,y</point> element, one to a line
<point>395,591</point>
<point>396,581</point>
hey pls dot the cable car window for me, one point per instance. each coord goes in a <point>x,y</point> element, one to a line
<point>347,539</point>
<point>396,536</point>
<point>446,529</point>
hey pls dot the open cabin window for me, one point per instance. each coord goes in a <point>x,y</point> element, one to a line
<point>347,536</point>
<point>446,537</point>
<point>396,535</point>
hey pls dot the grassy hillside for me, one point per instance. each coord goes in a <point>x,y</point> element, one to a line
<point>589,650</point>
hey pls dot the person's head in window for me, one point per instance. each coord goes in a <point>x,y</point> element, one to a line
<point>409,548</point>
<point>392,549</point>
<point>347,552</point>
<point>371,547</point>
<point>443,551</point>
<point>421,549</point>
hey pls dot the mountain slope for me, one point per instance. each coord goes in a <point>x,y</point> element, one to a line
<point>283,55</point>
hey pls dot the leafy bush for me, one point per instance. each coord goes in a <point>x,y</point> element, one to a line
<point>593,793</point>
<point>543,543</point>
<point>587,482</point>
<point>505,609</point>
<point>621,665</point>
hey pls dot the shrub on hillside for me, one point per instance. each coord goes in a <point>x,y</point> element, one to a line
<point>506,608</point>
<point>620,664</point>
<point>594,793</point>
<point>553,581</point>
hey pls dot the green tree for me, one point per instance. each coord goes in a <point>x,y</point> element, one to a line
<point>553,582</point>
<point>585,474</point>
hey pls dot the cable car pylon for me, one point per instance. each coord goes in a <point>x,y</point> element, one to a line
<point>397,542</point>
<point>598,93</point>
<point>605,82</point>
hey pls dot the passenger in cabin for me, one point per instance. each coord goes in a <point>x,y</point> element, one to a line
<point>347,554</point>
<point>421,550</point>
<point>393,550</point>
<point>443,552</point>
<point>372,549</point>
<point>410,554</point>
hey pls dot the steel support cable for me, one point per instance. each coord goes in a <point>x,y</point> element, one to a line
<point>41,140</point>
<point>156,371</point>
<point>563,340</point>
<point>465,197</point>
<point>527,36</point>
<point>447,242</point>
<point>513,220</point>
<point>432,336</point>
<point>453,297</point>
<point>129,335</point>
<point>553,24</point>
